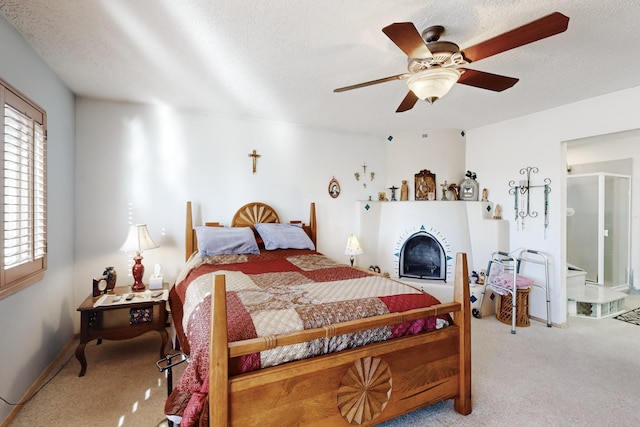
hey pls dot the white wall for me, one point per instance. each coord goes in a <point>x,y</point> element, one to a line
<point>498,152</point>
<point>442,151</point>
<point>143,163</point>
<point>38,321</point>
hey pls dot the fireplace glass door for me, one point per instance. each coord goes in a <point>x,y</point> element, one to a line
<point>422,257</point>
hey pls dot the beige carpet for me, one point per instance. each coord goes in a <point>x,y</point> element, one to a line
<point>122,387</point>
<point>583,375</point>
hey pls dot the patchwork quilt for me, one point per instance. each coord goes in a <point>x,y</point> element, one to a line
<point>278,292</point>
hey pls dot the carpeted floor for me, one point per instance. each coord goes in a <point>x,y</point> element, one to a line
<point>581,375</point>
<point>122,387</point>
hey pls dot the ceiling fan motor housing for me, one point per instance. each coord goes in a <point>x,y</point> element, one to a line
<point>444,54</point>
<point>432,34</point>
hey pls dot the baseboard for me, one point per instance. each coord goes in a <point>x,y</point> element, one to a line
<point>59,359</point>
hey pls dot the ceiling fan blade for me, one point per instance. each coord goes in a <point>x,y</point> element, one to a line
<point>547,26</point>
<point>406,37</point>
<point>373,82</point>
<point>486,80</point>
<point>408,102</point>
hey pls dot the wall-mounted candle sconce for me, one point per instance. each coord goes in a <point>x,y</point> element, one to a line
<point>364,173</point>
<point>521,193</point>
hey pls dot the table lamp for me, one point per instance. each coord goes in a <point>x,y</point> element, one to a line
<point>353,248</point>
<point>138,240</point>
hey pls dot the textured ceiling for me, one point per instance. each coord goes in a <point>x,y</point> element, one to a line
<point>281,59</point>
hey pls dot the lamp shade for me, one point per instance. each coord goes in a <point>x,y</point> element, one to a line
<point>138,239</point>
<point>353,246</point>
<point>432,84</point>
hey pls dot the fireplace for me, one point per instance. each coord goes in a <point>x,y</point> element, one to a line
<point>422,257</point>
<point>447,228</point>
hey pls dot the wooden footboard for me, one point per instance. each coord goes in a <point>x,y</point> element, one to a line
<point>362,386</point>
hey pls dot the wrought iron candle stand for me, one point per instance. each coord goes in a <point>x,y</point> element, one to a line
<point>522,198</point>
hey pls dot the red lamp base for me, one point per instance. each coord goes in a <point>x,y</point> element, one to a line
<point>137,271</point>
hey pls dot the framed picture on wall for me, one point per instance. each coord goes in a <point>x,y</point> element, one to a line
<point>334,188</point>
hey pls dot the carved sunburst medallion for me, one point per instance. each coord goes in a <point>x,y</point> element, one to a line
<point>364,390</point>
<point>254,213</point>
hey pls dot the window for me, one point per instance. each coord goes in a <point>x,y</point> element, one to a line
<point>24,196</point>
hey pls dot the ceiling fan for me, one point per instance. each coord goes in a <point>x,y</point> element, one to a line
<point>435,66</point>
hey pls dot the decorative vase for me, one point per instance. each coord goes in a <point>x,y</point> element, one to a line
<point>111,275</point>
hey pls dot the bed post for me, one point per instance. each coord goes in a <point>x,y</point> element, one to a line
<point>219,356</point>
<point>188,232</point>
<point>462,319</point>
<point>312,222</point>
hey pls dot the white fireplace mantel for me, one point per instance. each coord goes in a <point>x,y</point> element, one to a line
<point>459,226</point>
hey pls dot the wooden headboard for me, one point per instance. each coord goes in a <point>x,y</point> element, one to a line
<point>246,216</point>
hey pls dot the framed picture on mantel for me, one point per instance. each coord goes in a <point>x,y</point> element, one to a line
<point>469,190</point>
<point>425,185</point>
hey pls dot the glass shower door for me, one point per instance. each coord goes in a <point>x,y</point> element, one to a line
<point>599,225</point>
<point>617,222</point>
<point>582,224</point>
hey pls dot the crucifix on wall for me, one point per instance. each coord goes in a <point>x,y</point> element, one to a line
<point>254,157</point>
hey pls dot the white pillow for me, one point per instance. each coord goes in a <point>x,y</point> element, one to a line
<point>283,236</point>
<point>224,240</point>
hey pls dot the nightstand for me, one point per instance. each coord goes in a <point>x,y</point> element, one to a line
<point>116,322</point>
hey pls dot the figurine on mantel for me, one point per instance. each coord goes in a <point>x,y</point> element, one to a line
<point>444,186</point>
<point>497,212</point>
<point>404,191</point>
<point>454,191</point>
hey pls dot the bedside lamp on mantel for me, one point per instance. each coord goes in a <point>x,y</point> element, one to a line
<point>138,240</point>
<point>353,248</point>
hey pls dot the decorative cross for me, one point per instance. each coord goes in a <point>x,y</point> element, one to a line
<point>255,156</point>
<point>393,193</point>
<point>364,174</point>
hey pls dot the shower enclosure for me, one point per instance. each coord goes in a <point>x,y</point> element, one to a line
<point>599,227</point>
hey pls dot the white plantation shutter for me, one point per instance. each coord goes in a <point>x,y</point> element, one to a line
<point>24,197</point>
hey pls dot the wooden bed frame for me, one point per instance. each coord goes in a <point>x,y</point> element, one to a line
<point>361,386</point>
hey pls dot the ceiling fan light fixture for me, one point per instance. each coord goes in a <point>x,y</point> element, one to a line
<point>431,85</point>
